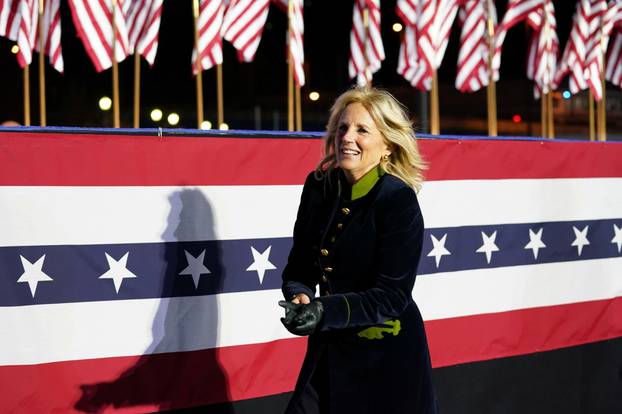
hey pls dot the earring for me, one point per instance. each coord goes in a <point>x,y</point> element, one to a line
<point>385,158</point>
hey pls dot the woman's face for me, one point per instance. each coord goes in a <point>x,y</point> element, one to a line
<point>359,146</point>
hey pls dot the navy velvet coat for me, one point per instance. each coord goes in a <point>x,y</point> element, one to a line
<point>363,254</point>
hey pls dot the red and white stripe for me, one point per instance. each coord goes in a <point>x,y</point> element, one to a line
<point>543,48</point>
<point>366,49</point>
<point>9,18</point>
<point>19,21</point>
<point>472,73</point>
<point>429,36</point>
<point>93,21</point>
<point>243,25</point>
<point>517,11</point>
<point>542,60</point>
<point>409,64</point>
<point>143,25</point>
<point>596,46</point>
<point>295,36</point>
<point>209,28</point>
<point>613,72</point>
<point>573,58</point>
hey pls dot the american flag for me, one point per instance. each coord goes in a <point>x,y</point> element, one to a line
<point>472,73</point>
<point>19,21</point>
<point>143,24</point>
<point>596,47</point>
<point>209,27</point>
<point>543,48</point>
<point>613,72</point>
<point>295,37</point>
<point>366,48</point>
<point>115,280</point>
<point>429,37</point>
<point>543,45</point>
<point>243,25</point>
<point>93,21</point>
<point>573,58</point>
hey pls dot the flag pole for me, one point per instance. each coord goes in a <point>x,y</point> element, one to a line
<point>42,112</point>
<point>26,72</point>
<point>491,89</point>
<point>290,69</point>
<point>435,128</point>
<point>549,111</point>
<point>136,90</point>
<point>601,106</point>
<point>195,13</point>
<point>219,95</point>
<point>115,69</point>
<point>298,110</point>
<point>543,119</point>
<point>591,116</point>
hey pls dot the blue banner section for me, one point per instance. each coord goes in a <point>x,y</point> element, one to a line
<point>58,274</point>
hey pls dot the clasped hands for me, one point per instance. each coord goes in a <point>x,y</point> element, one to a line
<point>301,318</point>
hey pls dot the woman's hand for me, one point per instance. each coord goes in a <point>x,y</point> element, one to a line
<point>301,298</point>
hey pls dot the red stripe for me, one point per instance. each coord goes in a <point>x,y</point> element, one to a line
<point>490,336</point>
<point>177,380</point>
<point>57,159</point>
<point>153,382</point>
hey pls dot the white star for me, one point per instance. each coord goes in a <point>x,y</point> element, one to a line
<point>580,238</point>
<point>439,249</point>
<point>535,242</point>
<point>617,238</point>
<point>118,271</point>
<point>260,263</point>
<point>488,245</point>
<point>195,267</point>
<point>33,273</point>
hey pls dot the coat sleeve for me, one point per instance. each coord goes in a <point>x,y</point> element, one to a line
<point>297,275</point>
<point>399,227</point>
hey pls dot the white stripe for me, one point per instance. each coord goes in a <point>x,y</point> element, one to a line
<point>62,332</point>
<point>99,215</point>
<point>475,202</point>
<point>110,215</point>
<point>474,292</point>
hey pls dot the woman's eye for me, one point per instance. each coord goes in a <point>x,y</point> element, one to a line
<point>362,131</point>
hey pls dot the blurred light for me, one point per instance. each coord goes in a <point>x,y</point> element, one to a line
<point>314,96</point>
<point>206,125</point>
<point>105,103</point>
<point>156,115</point>
<point>517,118</point>
<point>223,126</point>
<point>173,118</point>
<point>15,49</point>
<point>397,27</point>
<point>566,94</point>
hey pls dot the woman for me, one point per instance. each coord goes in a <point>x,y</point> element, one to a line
<point>358,235</point>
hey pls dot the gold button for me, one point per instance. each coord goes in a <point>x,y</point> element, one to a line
<point>345,210</point>
<point>328,269</point>
<point>324,278</point>
<point>324,252</point>
<point>339,226</point>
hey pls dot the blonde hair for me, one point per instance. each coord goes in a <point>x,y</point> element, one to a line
<point>405,161</point>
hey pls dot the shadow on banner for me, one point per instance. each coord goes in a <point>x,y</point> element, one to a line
<point>164,378</point>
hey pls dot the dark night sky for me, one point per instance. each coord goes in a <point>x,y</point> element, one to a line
<point>72,98</point>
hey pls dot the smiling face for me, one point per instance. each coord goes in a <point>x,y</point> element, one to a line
<point>359,146</point>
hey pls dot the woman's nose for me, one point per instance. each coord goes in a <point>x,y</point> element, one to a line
<point>348,136</point>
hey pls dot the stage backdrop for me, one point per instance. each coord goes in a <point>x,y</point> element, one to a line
<point>141,271</point>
